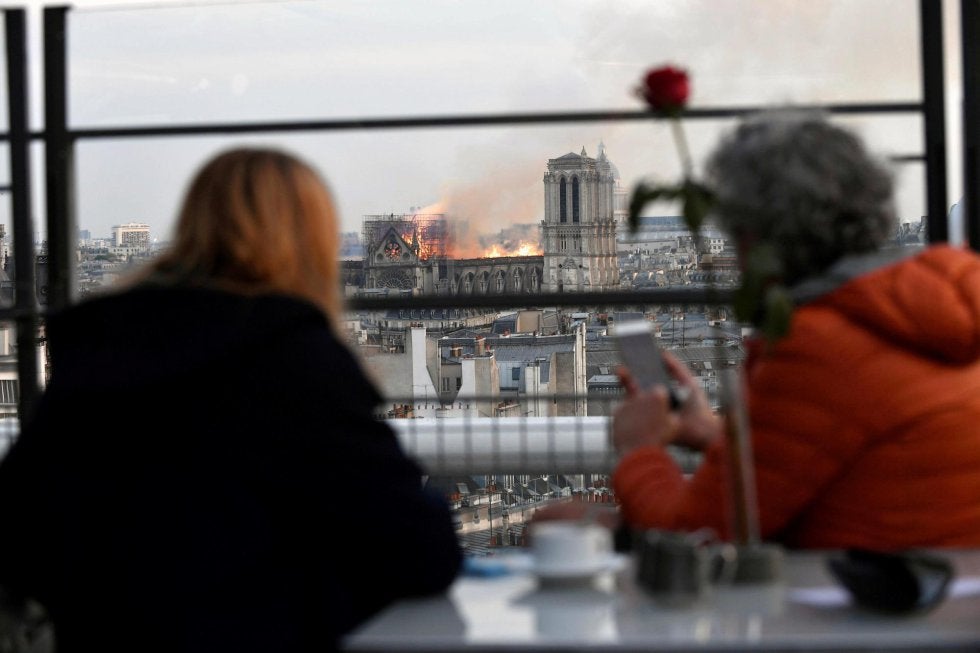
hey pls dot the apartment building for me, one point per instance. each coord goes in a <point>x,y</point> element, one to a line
<point>132,235</point>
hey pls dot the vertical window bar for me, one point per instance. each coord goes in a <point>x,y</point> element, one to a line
<point>934,117</point>
<point>970,27</point>
<point>23,228</point>
<point>59,161</point>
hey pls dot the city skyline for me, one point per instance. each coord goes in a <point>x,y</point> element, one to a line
<point>151,63</point>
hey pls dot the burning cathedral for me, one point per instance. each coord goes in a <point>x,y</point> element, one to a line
<point>573,249</point>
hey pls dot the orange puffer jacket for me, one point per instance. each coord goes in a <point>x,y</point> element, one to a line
<point>865,420</point>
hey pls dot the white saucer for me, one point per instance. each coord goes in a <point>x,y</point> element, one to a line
<point>611,562</point>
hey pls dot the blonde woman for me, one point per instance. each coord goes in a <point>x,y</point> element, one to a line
<point>203,472</point>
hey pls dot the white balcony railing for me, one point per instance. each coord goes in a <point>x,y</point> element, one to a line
<point>488,446</point>
<point>514,445</point>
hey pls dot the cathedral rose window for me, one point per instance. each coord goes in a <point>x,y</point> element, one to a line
<point>393,250</point>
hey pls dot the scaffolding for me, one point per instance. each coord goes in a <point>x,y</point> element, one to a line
<point>428,234</point>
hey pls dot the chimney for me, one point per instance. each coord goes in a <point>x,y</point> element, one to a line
<point>479,347</point>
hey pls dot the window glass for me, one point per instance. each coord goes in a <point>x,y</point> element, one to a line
<point>282,61</point>
<point>299,60</point>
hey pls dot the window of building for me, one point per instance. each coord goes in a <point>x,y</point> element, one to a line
<point>562,202</point>
<point>575,200</point>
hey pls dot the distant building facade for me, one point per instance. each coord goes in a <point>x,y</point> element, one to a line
<point>483,375</point>
<point>579,227</point>
<point>411,253</point>
<point>134,235</point>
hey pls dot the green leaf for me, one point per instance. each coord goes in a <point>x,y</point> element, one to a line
<point>778,313</point>
<point>642,195</point>
<point>764,261</point>
<point>761,299</point>
<point>696,200</point>
<point>697,204</point>
<point>746,299</point>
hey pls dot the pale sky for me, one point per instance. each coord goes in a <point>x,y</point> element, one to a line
<point>157,63</point>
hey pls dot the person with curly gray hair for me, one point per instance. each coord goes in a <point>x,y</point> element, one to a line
<point>863,414</point>
<point>803,185</point>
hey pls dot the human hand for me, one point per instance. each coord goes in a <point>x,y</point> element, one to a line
<point>643,418</point>
<point>692,424</point>
<point>698,425</point>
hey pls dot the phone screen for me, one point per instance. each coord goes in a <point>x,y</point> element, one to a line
<point>639,352</point>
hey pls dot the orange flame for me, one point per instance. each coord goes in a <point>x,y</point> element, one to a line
<point>437,242</point>
<point>523,248</point>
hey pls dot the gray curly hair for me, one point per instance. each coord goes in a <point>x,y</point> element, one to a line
<point>790,179</point>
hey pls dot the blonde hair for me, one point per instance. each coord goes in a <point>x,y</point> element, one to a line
<point>257,220</point>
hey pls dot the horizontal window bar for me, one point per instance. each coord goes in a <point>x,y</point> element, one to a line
<point>461,120</point>
<point>611,298</point>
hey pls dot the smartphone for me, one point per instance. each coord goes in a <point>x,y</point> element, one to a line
<point>639,352</point>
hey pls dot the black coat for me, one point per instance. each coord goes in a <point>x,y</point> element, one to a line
<point>203,474</point>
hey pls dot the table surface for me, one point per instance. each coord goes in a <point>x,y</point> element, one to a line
<point>806,611</point>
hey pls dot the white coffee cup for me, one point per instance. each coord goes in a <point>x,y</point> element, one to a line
<point>570,547</point>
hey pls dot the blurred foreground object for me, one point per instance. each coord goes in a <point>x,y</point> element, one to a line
<point>862,407</point>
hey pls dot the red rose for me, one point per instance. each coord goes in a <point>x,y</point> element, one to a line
<point>665,89</point>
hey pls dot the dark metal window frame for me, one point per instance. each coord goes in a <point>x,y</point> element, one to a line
<point>59,143</point>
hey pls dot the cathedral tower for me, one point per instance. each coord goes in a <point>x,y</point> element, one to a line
<point>579,228</point>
